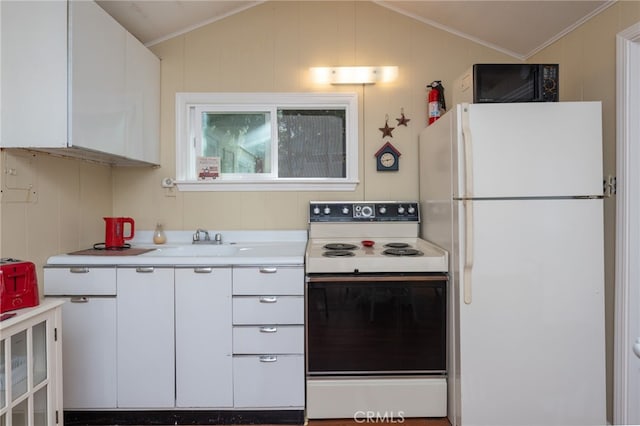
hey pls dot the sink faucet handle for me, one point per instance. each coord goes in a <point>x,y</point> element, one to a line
<point>218,238</point>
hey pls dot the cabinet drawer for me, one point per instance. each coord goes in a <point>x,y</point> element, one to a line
<point>268,381</point>
<point>268,339</point>
<point>269,280</point>
<point>257,310</point>
<point>80,280</point>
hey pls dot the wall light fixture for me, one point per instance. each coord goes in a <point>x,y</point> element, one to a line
<point>354,75</point>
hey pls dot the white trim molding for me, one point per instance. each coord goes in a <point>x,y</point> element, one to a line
<point>627,287</point>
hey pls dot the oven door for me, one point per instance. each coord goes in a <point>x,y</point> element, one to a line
<point>376,324</point>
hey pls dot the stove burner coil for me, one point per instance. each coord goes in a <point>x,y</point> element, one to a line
<point>402,252</point>
<point>397,245</point>
<point>340,246</point>
<point>338,253</point>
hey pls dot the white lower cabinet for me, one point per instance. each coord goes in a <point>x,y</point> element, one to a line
<point>268,380</point>
<point>30,364</point>
<point>203,337</point>
<point>268,337</point>
<point>89,339</point>
<point>181,337</point>
<point>145,344</point>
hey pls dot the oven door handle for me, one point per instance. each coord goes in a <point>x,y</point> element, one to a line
<point>373,278</point>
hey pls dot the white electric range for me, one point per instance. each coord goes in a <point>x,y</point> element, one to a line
<point>375,312</point>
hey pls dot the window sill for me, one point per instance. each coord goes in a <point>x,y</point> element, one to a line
<point>230,185</point>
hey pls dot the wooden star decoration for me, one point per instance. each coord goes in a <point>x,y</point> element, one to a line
<point>402,121</point>
<point>386,130</point>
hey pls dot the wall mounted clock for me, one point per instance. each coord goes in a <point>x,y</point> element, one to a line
<point>387,158</point>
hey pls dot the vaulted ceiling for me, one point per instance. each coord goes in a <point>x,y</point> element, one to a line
<point>519,28</point>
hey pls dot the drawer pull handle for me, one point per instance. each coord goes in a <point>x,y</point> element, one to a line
<point>268,358</point>
<point>270,299</point>
<point>79,270</point>
<point>268,270</point>
<point>202,270</point>
<point>80,299</point>
<point>145,269</point>
<point>268,329</point>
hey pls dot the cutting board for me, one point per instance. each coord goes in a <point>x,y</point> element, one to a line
<point>123,252</point>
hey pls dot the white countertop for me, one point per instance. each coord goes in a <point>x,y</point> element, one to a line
<point>27,313</point>
<point>237,248</point>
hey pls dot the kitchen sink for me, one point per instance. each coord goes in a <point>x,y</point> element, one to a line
<point>193,251</point>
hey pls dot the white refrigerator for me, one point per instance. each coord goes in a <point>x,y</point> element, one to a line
<point>514,193</point>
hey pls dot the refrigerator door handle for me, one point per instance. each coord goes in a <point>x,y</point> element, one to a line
<point>468,251</point>
<point>467,194</point>
<point>467,191</point>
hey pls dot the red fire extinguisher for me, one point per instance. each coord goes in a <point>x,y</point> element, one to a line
<point>435,100</point>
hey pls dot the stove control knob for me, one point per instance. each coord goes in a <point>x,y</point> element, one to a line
<point>382,210</point>
<point>345,210</point>
<point>367,211</point>
<point>316,210</point>
<point>400,210</point>
<point>411,210</point>
<point>327,210</point>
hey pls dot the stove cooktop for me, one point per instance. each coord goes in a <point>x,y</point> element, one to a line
<point>369,237</point>
<point>405,255</point>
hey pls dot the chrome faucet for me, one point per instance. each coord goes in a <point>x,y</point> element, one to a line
<point>217,239</point>
<point>196,236</point>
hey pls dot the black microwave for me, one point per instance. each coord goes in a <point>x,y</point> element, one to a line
<point>498,83</point>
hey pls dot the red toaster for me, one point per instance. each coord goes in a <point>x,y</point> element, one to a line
<point>18,285</point>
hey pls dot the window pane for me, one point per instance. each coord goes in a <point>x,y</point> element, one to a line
<point>311,143</point>
<point>40,413</point>
<point>19,364</point>
<point>242,141</point>
<point>39,337</point>
<point>20,413</point>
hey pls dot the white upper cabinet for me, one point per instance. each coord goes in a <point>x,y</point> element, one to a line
<point>98,79</point>
<point>33,74</point>
<point>143,102</point>
<point>76,83</point>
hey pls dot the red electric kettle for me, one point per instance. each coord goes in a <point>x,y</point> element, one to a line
<point>114,236</point>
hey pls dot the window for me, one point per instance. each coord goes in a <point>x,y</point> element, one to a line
<point>266,141</point>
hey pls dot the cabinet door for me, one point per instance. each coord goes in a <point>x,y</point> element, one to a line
<point>203,338</point>
<point>33,65</point>
<point>143,102</point>
<point>268,380</point>
<point>97,61</point>
<point>30,391</point>
<point>145,329</point>
<point>89,352</point>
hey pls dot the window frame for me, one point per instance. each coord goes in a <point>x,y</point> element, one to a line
<point>187,102</point>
